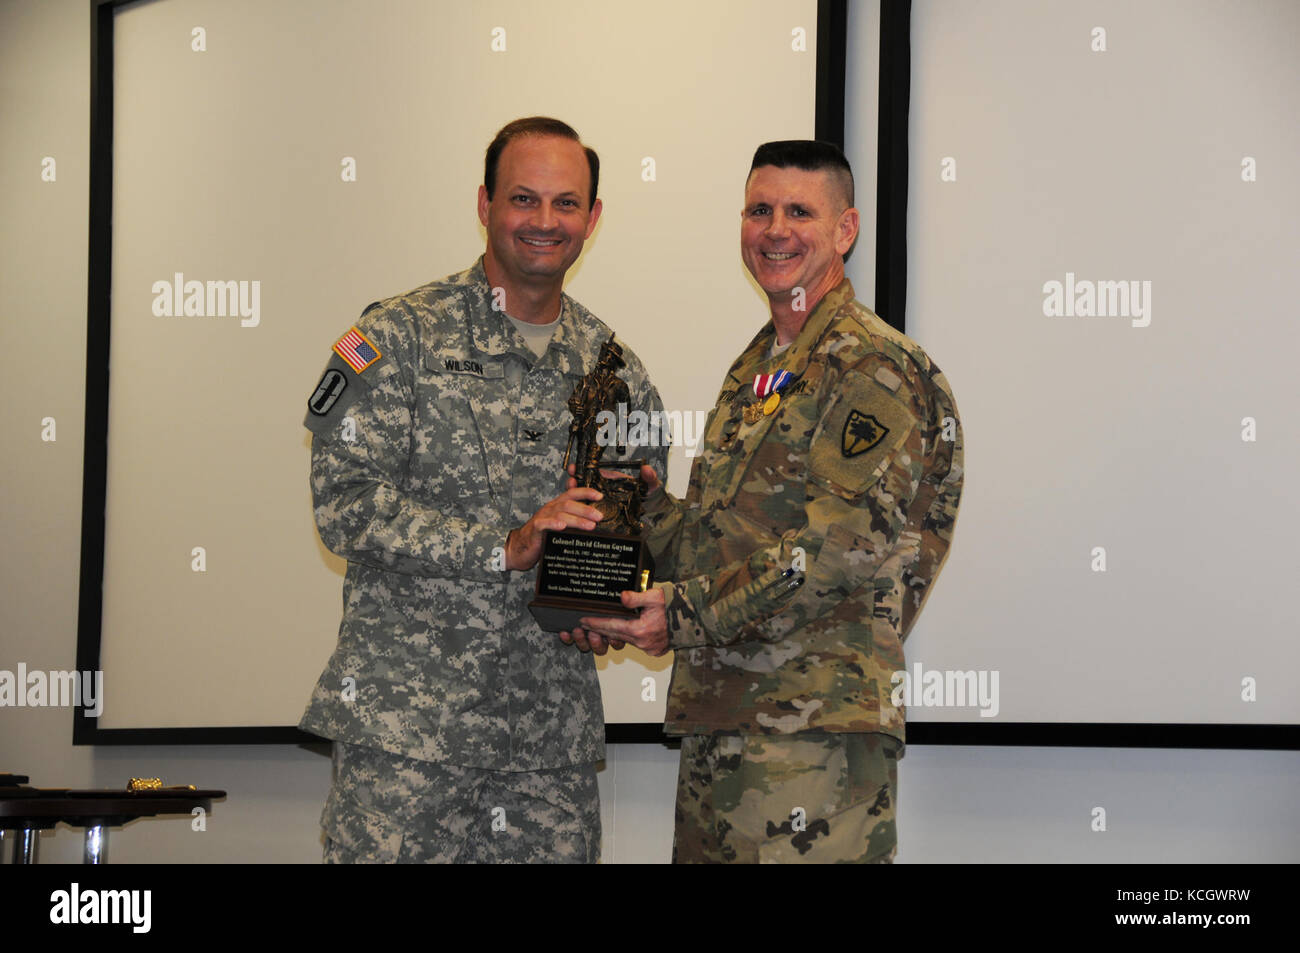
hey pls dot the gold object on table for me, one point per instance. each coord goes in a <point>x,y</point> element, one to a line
<point>155,784</point>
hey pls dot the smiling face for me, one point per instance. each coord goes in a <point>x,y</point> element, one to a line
<point>538,218</point>
<point>794,232</point>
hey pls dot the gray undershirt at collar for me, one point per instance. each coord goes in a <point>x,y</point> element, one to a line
<point>536,336</point>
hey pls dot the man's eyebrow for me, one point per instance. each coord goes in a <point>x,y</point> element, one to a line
<point>559,195</point>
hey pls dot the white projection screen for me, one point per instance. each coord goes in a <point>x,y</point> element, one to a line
<point>1125,548</point>
<point>232,126</point>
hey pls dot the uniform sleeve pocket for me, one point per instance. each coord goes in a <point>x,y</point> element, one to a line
<point>858,436</point>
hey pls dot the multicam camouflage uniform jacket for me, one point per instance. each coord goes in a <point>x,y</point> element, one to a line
<point>421,465</point>
<point>810,538</point>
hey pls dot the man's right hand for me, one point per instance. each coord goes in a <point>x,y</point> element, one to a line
<point>566,511</point>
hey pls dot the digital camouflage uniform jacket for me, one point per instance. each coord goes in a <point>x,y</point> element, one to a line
<point>809,540</point>
<point>421,465</point>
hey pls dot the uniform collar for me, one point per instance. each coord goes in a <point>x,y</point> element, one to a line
<point>494,336</point>
<point>796,357</point>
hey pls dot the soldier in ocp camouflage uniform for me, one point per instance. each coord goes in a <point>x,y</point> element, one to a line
<point>462,732</point>
<point>813,528</point>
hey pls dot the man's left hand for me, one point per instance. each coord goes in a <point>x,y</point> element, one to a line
<point>589,641</point>
<point>648,631</point>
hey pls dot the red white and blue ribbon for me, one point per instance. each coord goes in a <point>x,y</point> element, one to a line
<point>765,384</point>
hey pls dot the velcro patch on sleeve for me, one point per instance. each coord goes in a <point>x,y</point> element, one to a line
<point>863,429</point>
<point>357,350</point>
<point>331,387</point>
<point>887,378</point>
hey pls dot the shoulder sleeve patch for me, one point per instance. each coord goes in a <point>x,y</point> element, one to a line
<point>862,432</point>
<point>331,387</point>
<point>355,348</point>
<point>342,381</point>
<point>864,428</point>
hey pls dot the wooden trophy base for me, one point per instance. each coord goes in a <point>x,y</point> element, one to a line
<point>581,574</point>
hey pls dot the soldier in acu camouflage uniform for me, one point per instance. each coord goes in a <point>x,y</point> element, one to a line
<point>813,529</point>
<point>461,731</point>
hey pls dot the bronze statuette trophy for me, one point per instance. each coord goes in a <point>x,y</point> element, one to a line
<point>581,573</point>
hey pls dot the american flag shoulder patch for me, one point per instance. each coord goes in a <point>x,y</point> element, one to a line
<point>355,348</point>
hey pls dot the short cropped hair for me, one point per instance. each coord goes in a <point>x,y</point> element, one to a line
<point>811,155</point>
<point>535,126</point>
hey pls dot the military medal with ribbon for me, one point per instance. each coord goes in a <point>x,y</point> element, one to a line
<point>767,386</point>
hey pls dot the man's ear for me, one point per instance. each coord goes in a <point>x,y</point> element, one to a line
<point>483,203</point>
<point>595,217</point>
<point>846,230</point>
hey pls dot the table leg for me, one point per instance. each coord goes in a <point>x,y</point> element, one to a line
<point>96,846</point>
<point>26,842</point>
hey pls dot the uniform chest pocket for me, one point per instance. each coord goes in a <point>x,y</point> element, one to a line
<point>772,486</point>
<point>754,468</point>
<point>454,396</point>
<point>544,418</point>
